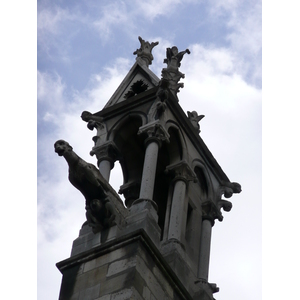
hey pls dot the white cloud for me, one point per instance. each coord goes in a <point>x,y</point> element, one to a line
<point>154,8</point>
<point>113,14</point>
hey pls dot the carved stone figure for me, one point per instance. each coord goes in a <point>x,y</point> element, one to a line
<point>195,119</point>
<point>144,54</point>
<point>174,57</point>
<point>171,72</point>
<point>88,180</point>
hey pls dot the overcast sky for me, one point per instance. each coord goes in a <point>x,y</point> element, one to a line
<point>84,50</point>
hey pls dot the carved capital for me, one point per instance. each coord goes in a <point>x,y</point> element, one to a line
<point>154,132</point>
<point>107,151</point>
<point>211,212</point>
<point>181,171</point>
<point>131,192</point>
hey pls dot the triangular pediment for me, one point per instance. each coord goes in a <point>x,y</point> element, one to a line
<point>139,79</point>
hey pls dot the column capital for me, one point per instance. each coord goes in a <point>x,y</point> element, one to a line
<point>154,132</point>
<point>107,151</point>
<point>211,212</point>
<point>181,171</point>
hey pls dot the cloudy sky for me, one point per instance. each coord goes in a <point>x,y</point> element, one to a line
<point>84,50</point>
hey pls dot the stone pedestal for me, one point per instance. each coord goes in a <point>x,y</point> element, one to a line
<point>127,267</point>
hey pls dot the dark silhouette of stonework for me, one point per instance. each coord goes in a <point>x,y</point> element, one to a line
<point>156,245</point>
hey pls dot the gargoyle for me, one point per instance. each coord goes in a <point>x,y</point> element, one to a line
<point>85,177</point>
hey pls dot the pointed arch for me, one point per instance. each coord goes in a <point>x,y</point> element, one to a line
<point>204,180</point>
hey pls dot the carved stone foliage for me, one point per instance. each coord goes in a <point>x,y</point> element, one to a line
<point>154,132</point>
<point>85,177</point>
<point>195,119</point>
<point>227,189</point>
<point>98,123</point>
<point>181,171</point>
<point>144,53</point>
<point>171,73</point>
<point>107,151</point>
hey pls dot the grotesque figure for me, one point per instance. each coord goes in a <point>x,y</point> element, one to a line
<point>174,57</point>
<point>195,119</point>
<point>89,181</point>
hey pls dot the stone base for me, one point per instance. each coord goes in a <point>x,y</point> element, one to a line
<point>128,267</point>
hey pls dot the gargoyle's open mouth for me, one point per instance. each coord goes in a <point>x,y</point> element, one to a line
<point>60,151</point>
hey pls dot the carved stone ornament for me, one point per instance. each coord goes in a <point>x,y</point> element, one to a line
<point>211,212</point>
<point>171,73</point>
<point>181,171</point>
<point>85,177</point>
<point>107,151</point>
<point>95,122</point>
<point>154,132</point>
<point>144,53</point>
<point>195,119</point>
<point>227,189</point>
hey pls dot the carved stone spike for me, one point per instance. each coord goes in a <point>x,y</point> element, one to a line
<point>87,179</point>
<point>144,53</point>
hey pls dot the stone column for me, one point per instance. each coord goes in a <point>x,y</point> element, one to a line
<point>182,175</point>
<point>149,170</point>
<point>205,242</point>
<point>156,134</point>
<point>106,154</point>
<point>209,213</point>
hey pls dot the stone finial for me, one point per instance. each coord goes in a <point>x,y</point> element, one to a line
<point>144,54</point>
<point>171,72</point>
<point>195,119</point>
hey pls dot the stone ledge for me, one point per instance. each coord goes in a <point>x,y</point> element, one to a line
<point>138,236</point>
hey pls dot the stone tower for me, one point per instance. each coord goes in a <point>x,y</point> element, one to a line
<point>157,245</point>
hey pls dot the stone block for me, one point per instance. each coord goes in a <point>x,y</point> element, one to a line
<point>109,257</point>
<point>121,265</point>
<point>90,293</point>
<point>116,283</point>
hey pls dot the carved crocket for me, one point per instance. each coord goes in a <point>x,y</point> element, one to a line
<point>88,180</point>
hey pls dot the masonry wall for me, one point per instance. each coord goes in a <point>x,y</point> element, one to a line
<point>125,268</point>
